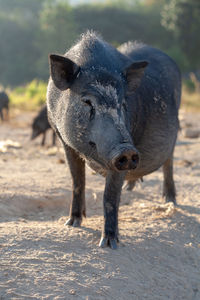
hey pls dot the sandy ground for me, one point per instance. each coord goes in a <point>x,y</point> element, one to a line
<point>40,258</point>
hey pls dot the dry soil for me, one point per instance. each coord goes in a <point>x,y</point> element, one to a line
<point>40,258</point>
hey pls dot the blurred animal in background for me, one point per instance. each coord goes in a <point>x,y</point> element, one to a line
<point>40,125</point>
<point>4,105</point>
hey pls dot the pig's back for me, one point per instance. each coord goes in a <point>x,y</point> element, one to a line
<point>157,101</point>
<point>162,73</point>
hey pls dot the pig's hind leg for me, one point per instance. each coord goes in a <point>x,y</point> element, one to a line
<point>1,114</point>
<point>43,139</point>
<point>77,169</point>
<point>130,185</point>
<point>169,191</point>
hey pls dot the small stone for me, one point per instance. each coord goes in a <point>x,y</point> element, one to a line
<point>191,133</point>
<point>72,292</point>
<point>61,161</point>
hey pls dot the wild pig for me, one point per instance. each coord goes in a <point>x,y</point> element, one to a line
<point>40,125</point>
<point>4,104</point>
<point>117,110</point>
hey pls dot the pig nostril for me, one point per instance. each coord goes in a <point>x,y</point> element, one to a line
<point>92,144</point>
<point>128,160</point>
<point>135,158</point>
<point>123,160</point>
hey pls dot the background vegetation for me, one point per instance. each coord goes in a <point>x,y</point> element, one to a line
<point>31,29</point>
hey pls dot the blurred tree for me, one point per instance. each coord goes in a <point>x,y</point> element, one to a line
<point>18,26</point>
<point>123,4</point>
<point>56,34</point>
<point>182,17</point>
<point>30,30</point>
<point>119,25</point>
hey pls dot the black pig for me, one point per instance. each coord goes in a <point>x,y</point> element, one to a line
<point>40,125</point>
<point>4,104</point>
<point>116,109</point>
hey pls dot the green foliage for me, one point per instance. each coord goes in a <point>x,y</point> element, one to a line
<point>18,27</point>
<point>30,96</point>
<point>57,32</point>
<point>182,18</point>
<point>30,30</point>
<point>121,4</point>
<point>189,85</point>
<point>179,57</point>
<point>190,100</point>
<point>118,25</point>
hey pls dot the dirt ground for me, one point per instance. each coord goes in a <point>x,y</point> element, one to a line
<point>40,258</point>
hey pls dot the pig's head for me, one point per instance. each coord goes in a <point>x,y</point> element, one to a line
<point>87,106</point>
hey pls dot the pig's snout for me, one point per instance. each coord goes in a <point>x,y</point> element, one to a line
<point>127,159</point>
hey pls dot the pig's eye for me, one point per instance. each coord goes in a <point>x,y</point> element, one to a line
<point>88,102</point>
<point>92,110</point>
<point>124,106</point>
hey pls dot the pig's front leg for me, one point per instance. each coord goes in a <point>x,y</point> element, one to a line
<point>114,182</point>
<point>77,169</point>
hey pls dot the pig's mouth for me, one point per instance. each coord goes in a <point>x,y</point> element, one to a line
<point>94,159</point>
<point>124,157</point>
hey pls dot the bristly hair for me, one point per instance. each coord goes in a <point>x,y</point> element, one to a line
<point>87,37</point>
<point>130,45</point>
<point>91,34</point>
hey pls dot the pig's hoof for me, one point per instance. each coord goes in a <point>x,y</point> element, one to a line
<point>170,199</point>
<point>75,222</point>
<point>108,242</point>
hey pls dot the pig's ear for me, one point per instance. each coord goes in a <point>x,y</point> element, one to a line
<point>134,74</point>
<point>63,71</point>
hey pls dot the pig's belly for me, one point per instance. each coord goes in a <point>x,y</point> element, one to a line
<point>155,147</point>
